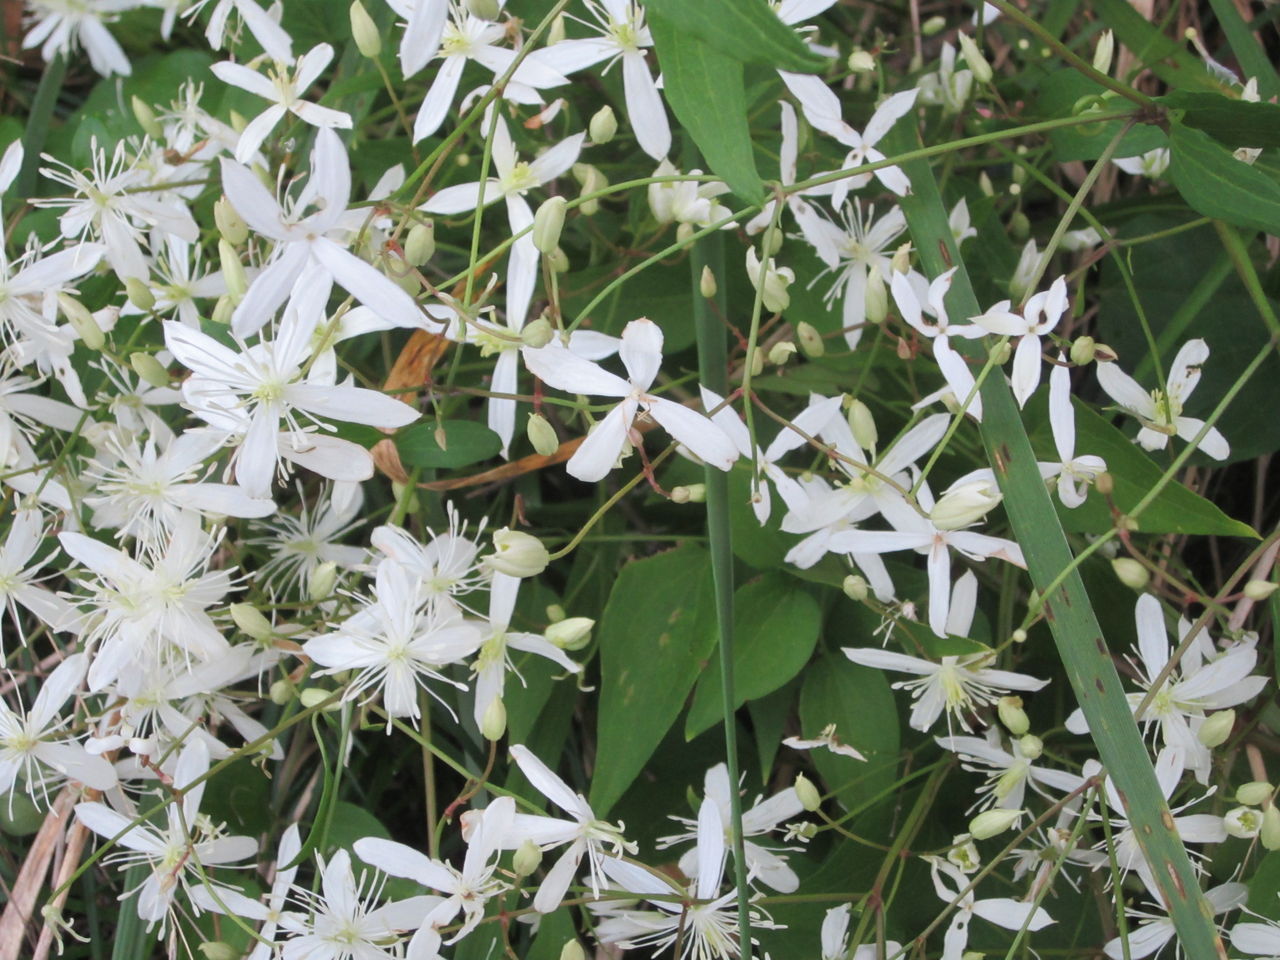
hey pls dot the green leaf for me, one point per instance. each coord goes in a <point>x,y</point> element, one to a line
<point>1264,887</point>
<point>707,92</point>
<point>746,30</point>
<point>1235,123</point>
<point>466,442</point>
<point>776,623</point>
<point>1058,96</point>
<point>859,701</point>
<point>655,637</point>
<point>1133,474</point>
<point>1216,184</point>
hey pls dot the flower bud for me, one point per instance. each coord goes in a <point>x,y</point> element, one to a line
<point>365,32</point>
<point>527,858</point>
<point>807,793</point>
<point>1018,636</point>
<point>1130,572</point>
<point>1270,832</point>
<point>1104,483</point>
<point>1216,728</point>
<point>572,950</point>
<point>420,244</point>
<point>312,697</point>
<point>517,554</point>
<point>558,260</point>
<point>770,280</point>
<point>855,587</point>
<point>707,283</point>
<point>1031,746</point>
<point>82,322</point>
<point>232,271</point>
<point>1012,715</point>
<point>223,309</point>
<point>1000,352</point>
<point>281,692</point>
<point>556,33</point>
<point>572,633</point>
<point>973,57</point>
<point>965,505</point>
<point>1105,354</point>
<point>251,621</point>
<point>139,293</point>
<point>603,126</point>
<point>1259,590</point>
<point>964,854</point>
<point>933,26</point>
<point>322,581</point>
<point>876,295</point>
<point>494,722</point>
<point>862,424</point>
<point>991,823</point>
<point>149,369</point>
<point>548,223</point>
<point>538,333</point>
<point>757,362</point>
<point>146,118</point>
<point>591,180</point>
<point>1019,226</point>
<point>771,242</point>
<point>484,9</point>
<point>781,352</point>
<point>810,340</point>
<point>860,61</point>
<point>1082,351</point>
<point>233,229</point>
<point>900,262</point>
<point>1103,52</point>
<point>1255,793</point>
<point>1242,822</point>
<point>555,613</point>
<point>218,950</point>
<point>690,493</point>
<point>542,435</point>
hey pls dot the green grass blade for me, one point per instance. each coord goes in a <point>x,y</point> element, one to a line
<point>1076,632</point>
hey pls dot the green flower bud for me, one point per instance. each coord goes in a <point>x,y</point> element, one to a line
<point>281,692</point>
<point>517,554</point>
<point>218,950</point>
<point>603,126</point>
<point>1012,715</point>
<point>757,362</point>
<point>572,633</point>
<point>1131,573</point>
<point>572,950</point>
<point>149,369</point>
<point>1254,793</point>
<point>811,342</point>
<point>223,309</point>
<point>556,33</point>
<point>365,32</point>
<point>973,56</point>
<point>992,823</point>
<point>1031,746</point>
<point>82,322</point>
<point>538,333</point>
<point>558,261</point>
<point>420,244</point>
<point>860,61</point>
<point>146,118</point>
<point>555,613</point>
<point>690,493</point>
<point>542,435</point>
<point>781,352</point>
<point>1270,832</point>
<point>527,858</point>
<point>1000,352</point>
<point>1217,728</point>
<point>1259,590</point>
<point>548,223</point>
<point>494,722</point>
<point>862,424</point>
<point>1019,225</point>
<point>1103,52</point>
<point>233,229</point>
<point>855,588</point>
<point>251,621</point>
<point>807,793</point>
<point>139,293</point>
<point>876,294</point>
<point>322,581</point>
<point>484,9</point>
<point>933,26</point>
<point>232,271</point>
<point>900,262</point>
<point>965,505</point>
<point>312,697</point>
<point>1082,351</point>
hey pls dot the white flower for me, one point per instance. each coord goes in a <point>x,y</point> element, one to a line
<point>33,745</point>
<point>1205,680</point>
<point>760,820</point>
<point>171,853</point>
<point>1039,317</point>
<point>1262,939</point>
<point>939,329</point>
<point>19,585</point>
<point>235,903</point>
<point>1002,911</point>
<point>1160,413</point>
<point>395,644</point>
<point>828,739</point>
<point>689,201</point>
<point>284,89</point>
<point>1151,164</point>
<point>300,544</point>
<point>862,146</point>
<point>1008,771</point>
<point>622,34</point>
<point>811,223</point>
<point>1157,929</point>
<point>958,684</point>
<point>266,30</point>
<point>947,87</point>
<point>445,566</point>
<point>1074,473</point>
<point>584,834</point>
<point>641,353</point>
<point>62,26</point>
<point>304,242</point>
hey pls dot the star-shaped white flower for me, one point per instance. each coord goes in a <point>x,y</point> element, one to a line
<point>1038,318</point>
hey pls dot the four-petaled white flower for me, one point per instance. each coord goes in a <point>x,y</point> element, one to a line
<point>1039,317</point>
<point>1002,911</point>
<point>641,354</point>
<point>940,329</point>
<point>1074,473</point>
